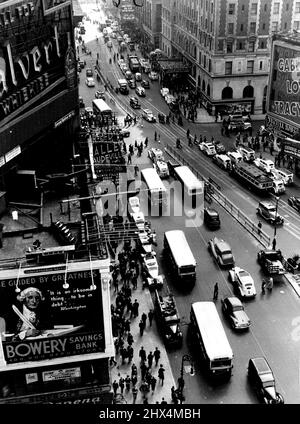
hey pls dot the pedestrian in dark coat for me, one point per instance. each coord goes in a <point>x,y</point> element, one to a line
<point>135,308</point>
<point>216,291</point>
<point>153,383</point>
<point>156,355</point>
<point>274,243</point>
<point>134,370</point>
<point>127,383</point>
<point>142,354</point>
<point>146,142</point>
<point>161,374</point>
<point>134,380</point>
<point>150,359</point>
<point>263,286</point>
<point>123,354</point>
<point>122,384</point>
<point>134,394</point>
<point>150,317</point>
<point>143,370</point>
<point>142,327</point>
<point>127,327</point>
<point>144,318</point>
<point>130,353</point>
<point>115,386</point>
<point>130,339</point>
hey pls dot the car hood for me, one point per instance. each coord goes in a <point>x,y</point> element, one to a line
<point>241,317</point>
<point>271,393</point>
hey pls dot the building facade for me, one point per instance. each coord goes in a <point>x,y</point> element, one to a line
<point>227,44</point>
<point>38,86</point>
<point>150,21</point>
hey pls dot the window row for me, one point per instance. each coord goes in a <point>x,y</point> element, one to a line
<point>249,69</point>
<point>235,45</point>
<point>254,8</point>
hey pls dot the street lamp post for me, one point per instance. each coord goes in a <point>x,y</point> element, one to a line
<point>189,369</point>
<point>276,214</point>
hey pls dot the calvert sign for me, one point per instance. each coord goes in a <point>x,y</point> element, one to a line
<point>283,102</point>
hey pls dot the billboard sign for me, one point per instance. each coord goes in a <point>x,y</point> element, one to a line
<point>52,314</point>
<point>35,61</point>
<point>284,84</point>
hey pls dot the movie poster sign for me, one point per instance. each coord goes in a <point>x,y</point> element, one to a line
<point>284,90</point>
<point>53,315</point>
<point>35,54</point>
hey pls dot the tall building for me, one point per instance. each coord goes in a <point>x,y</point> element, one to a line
<point>227,44</point>
<point>150,19</point>
<point>38,87</point>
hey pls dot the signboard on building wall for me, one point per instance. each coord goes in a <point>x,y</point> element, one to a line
<point>284,84</point>
<point>36,57</point>
<point>67,321</point>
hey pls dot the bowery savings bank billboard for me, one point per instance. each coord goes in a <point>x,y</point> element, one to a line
<point>284,84</point>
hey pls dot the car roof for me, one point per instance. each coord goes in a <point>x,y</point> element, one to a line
<point>267,204</point>
<point>234,301</point>
<point>261,365</point>
<point>223,245</point>
<point>212,212</point>
<point>147,110</point>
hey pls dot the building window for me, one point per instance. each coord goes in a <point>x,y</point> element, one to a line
<point>231,9</point>
<point>220,45</point>
<point>242,27</point>
<point>285,25</point>
<point>230,28</point>
<point>262,44</point>
<point>251,46</point>
<point>274,26</point>
<point>296,25</point>
<point>228,68</point>
<point>263,26</point>
<point>254,9</point>
<point>276,8</point>
<point>287,7</point>
<point>204,61</point>
<point>211,8</point>
<point>243,7</point>
<point>250,66</point>
<point>260,65</point>
<point>265,8</point>
<point>229,46</point>
<point>252,27</point>
<point>241,45</point>
<point>209,65</point>
<point>297,7</point>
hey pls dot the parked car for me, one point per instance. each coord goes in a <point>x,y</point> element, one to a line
<point>128,75</point>
<point>89,72</point>
<point>134,102</point>
<point>124,69</point>
<point>81,102</point>
<point>148,115</point>
<point>220,148</point>
<point>162,168</point>
<point>212,218</point>
<point>266,165</point>
<point>267,210</point>
<point>221,251</point>
<point>149,264</point>
<point>153,76</point>
<point>262,379</point>
<point>234,311</point>
<point>145,84</point>
<point>294,202</point>
<point>247,153</point>
<point>164,91</point>
<point>132,83</point>
<point>169,99</point>
<point>90,82</point>
<point>133,204</point>
<point>121,62</point>
<point>242,281</point>
<point>155,154</point>
<point>138,76</point>
<point>140,91</point>
<point>100,95</point>
<point>208,149</point>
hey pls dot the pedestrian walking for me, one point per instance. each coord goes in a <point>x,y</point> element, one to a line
<point>143,368</point>
<point>130,339</point>
<point>133,370</point>
<point>158,138</point>
<point>163,401</point>
<point>129,161</point>
<point>135,308</point>
<point>134,394</point>
<point>161,374</point>
<point>150,316</point>
<point>134,281</point>
<point>270,284</point>
<point>130,353</point>
<point>115,386</point>
<point>144,318</point>
<point>136,170</point>
<point>142,354</point>
<point>116,285</point>
<point>174,395</point>
<point>155,136</point>
<point>142,327</point>
<point>181,383</point>
<point>153,383</point>
<point>156,355</point>
<point>121,384</point>
<point>216,292</point>
<point>150,359</point>
<point>274,243</point>
<point>123,353</point>
<point>127,383</point>
<point>146,142</point>
<point>263,287</point>
<point>127,329</point>
<point>134,380</point>
<point>259,225</point>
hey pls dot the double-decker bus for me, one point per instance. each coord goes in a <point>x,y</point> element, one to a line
<point>254,177</point>
<point>134,64</point>
<point>207,331</point>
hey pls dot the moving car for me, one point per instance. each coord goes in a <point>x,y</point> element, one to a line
<point>267,210</point>
<point>164,91</point>
<point>262,379</point>
<point>100,95</point>
<point>90,82</point>
<point>169,99</point>
<point>221,251</point>
<point>128,75</point>
<point>138,76</point>
<point>265,164</point>
<point>133,204</point>
<point>243,281</point>
<point>134,102</point>
<point>139,219</point>
<point>153,76</point>
<point>125,132</point>
<point>223,161</point>
<point>208,149</point>
<point>247,153</point>
<point>220,148</point>
<point>149,264</point>
<point>124,68</point>
<point>121,62</point>
<point>285,174</point>
<point>161,169</point>
<point>140,91</point>
<point>155,154</point>
<point>132,83</point>
<point>212,218</point>
<point>145,84</point>
<point>294,202</point>
<point>234,311</point>
<point>148,115</point>
<point>89,72</point>
<point>144,242</point>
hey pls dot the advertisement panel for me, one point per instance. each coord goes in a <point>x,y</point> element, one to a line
<point>51,315</point>
<point>284,85</point>
<point>37,59</point>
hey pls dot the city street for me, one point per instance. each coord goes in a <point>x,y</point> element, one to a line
<point>275,315</point>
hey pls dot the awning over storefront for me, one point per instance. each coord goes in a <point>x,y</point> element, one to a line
<point>173,66</point>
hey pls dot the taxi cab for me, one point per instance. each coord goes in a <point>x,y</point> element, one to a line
<point>162,169</point>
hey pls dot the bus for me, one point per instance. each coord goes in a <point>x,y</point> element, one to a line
<point>254,177</point>
<point>134,64</point>
<point>101,107</point>
<point>206,327</point>
<point>180,255</point>
<point>192,186</point>
<point>157,192</point>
